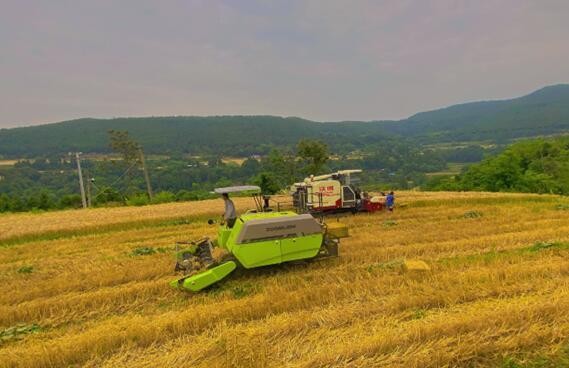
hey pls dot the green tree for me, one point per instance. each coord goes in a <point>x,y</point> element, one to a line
<point>268,183</point>
<point>313,154</point>
<point>538,166</point>
<point>120,142</point>
<point>130,150</point>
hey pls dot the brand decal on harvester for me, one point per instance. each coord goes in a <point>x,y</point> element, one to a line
<point>277,228</point>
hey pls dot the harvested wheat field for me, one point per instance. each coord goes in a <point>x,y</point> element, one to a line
<point>90,288</point>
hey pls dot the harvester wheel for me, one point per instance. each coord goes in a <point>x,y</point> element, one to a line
<point>329,248</point>
<point>332,247</point>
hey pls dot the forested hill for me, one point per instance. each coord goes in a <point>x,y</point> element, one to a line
<point>543,112</point>
<point>237,135</point>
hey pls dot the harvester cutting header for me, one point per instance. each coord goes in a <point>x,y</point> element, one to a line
<point>331,193</point>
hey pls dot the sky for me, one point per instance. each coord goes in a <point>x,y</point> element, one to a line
<point>325,60</point>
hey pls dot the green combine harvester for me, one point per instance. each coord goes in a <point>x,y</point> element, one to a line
<point>260,237</point>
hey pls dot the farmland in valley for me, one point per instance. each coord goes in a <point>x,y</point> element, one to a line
<point>90,288</point>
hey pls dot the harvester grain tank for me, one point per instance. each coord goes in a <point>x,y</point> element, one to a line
<point>258,238</point>
<point>332,193</point>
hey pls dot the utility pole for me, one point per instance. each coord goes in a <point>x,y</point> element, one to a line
<point>81,186</point>
<point>89,181</point>
<point>145,171</point>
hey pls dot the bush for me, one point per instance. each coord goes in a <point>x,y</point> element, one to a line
<point>164,197</point>
<point>138,200</point>
<point>70,201</point>
<point>108,195</point>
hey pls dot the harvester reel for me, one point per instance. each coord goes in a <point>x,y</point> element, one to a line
<point>196,257</point>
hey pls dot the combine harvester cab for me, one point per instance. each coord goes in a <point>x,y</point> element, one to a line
<point>257,239</point>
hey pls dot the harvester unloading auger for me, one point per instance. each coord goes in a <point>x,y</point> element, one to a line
<point>258,238</point>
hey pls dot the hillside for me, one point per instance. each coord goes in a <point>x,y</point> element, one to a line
<point>543,112</point>
<point>532,166</point>
<point>236,135</point>
<point>74,291</point>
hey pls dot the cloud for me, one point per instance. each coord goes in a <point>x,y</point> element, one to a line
<point>325,60</point>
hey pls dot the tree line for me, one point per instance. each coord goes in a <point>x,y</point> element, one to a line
<point>51,182</point>
<point>532,166</point>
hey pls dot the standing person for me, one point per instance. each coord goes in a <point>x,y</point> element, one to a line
<point>390,201</point>
<point>229,215</point>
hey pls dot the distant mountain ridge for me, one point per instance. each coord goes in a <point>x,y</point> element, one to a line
<point>543,112</point>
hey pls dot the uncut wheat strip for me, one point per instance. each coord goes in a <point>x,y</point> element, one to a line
<point>76,253</point>
<point>487,320</point>
<point>24,224</point>
<point>27,223</point>
<point>80,245</point>
<point>288,332</point>
<point>117,332</point>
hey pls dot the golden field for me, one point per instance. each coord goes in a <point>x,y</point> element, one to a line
<point>497,293</point>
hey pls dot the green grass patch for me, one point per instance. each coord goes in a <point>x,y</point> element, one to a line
<point>234,288</point>
<point>419,314</point>
<point>558,360</point>
<point>146,251</point>
<point>472,214</point>
<point>390,265</point>
<point>18,332</point>
<point>26,269</point>
<point>389,223</point>
<point>543,245</point>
